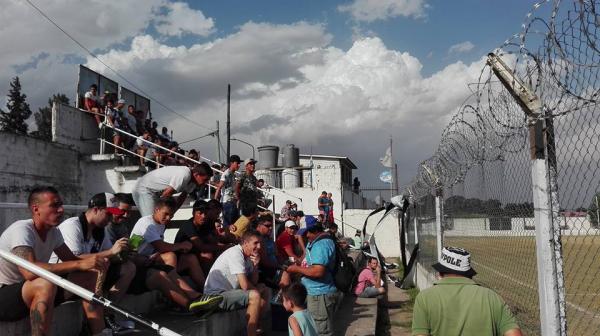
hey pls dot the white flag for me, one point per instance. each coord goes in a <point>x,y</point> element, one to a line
<point>386,160</point>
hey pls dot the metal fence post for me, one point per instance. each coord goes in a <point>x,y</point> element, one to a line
<point>274,222</point>
<point>548,249</point>
<point>439,213</point>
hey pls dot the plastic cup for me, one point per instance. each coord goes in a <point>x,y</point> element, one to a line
<point>135,241</point>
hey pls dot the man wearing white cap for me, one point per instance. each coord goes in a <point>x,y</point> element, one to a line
<point>287,245</point>
<point>456,305</point>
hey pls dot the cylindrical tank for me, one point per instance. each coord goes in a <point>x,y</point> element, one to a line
<point>291,156</point>
<point>290,178</point>
<point>269,176</point>
<point>267,157</point>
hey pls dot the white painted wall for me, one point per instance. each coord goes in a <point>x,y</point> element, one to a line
<point>473,227</point>
<point>27,162</point>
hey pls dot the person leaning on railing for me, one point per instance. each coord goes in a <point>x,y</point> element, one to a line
<point>168,181</point>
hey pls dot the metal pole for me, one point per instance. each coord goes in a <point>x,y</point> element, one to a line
<point>218,135</point>
<point>228,121</point>
<point>392,170</point>
<point>342,210</point>
<point>274,228</point>
<point>438,223</point>
<point>548,247</point>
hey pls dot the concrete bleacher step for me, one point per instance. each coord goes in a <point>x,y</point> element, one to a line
<point>68,317</point>
<point>130,169</point>
<point>102,157</point>
<point>357,316</point>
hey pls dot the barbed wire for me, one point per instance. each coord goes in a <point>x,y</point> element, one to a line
<point>556,56</point>
<point>482,167</point>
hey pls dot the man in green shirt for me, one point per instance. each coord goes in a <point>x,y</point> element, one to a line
<point>456,305</point>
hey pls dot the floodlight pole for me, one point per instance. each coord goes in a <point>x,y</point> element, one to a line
<point>545,199</point>
<point>218,135</point>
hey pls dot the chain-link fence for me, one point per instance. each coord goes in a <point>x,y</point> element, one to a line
<point>518,172</point>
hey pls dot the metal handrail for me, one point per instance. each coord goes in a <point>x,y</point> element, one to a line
<point>180,155</point>
<point>131,152</point>
<point>9,205</point>
<point>345,224</point>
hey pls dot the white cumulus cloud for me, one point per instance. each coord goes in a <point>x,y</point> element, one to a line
<point>180,19</point>
<point>289,84</point>
<point>372,10</point>
<point>460,48</point>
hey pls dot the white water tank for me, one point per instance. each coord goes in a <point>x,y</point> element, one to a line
<point>291,178</point>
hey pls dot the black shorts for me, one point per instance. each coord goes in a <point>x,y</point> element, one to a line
<point>112,275</point>
<point>270,277</point>
<point>13,308</point>
<point>138,284</point>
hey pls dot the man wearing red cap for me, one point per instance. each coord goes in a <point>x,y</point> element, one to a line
<point>456,305</point>
<point>84,235</point>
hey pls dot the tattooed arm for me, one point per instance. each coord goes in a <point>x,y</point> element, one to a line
<point>26,252</point>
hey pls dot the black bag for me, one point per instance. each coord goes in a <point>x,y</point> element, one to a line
<point>344,271</point>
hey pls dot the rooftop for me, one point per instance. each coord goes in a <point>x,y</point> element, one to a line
<point>344,159</point>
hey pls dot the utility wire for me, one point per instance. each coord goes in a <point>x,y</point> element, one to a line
<point>109,68</point>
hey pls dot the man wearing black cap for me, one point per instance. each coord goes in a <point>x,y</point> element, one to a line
<point>456,305</point>
<point>200,231</point>
<point>84,235</point>
<point>225,192</point>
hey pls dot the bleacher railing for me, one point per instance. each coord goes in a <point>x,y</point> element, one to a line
<point>133,136</point>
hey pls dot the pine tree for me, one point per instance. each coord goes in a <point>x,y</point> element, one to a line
<point>43,118</point>
<point>18,111</point>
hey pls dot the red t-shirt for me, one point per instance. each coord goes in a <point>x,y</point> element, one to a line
<point>284,240</point>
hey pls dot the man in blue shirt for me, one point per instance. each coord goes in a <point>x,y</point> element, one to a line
<point>323,297</point>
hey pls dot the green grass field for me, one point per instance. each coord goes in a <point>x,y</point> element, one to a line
<point>508,265</point>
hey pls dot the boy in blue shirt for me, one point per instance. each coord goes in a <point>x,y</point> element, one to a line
<point>301,323</point>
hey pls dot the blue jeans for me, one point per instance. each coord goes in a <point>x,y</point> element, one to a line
<point>230,213</point>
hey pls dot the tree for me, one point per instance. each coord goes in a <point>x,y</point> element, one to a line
<point>43,118</point>
<point>17,110</point>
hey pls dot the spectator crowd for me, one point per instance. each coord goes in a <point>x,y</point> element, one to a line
<point>224,257</point>
<point>230,254</point>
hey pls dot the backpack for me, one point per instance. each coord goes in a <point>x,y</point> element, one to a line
<point>344,271</point>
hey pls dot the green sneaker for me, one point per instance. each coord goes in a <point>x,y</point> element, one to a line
<point>205,302</point>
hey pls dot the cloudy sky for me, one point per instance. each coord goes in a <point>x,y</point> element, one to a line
<point>332,77</point>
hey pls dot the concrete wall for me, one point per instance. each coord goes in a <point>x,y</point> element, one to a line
<point>64,163</point>
<point>524,226</point>
<point>29,162</point>
<point>326,173</point>
<point>74,128</point>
